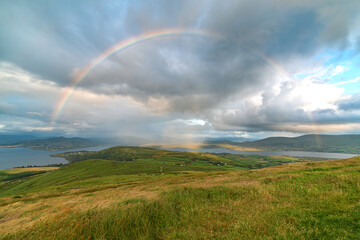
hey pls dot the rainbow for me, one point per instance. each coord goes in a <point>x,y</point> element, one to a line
<point>118,48</point>
<point>316,130</point>
<point>273,64</point>
<point>279,69</point>
<point>134,41</point>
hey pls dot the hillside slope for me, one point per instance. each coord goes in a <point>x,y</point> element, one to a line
<point>114,199</point>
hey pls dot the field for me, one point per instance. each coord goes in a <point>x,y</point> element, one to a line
<point>155,194</point>
<point>20,173</point>
<point>27,169</point>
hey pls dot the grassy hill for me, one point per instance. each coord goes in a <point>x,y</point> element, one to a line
<point>318,143</point>
<point>171,195</point>
<point>189,159</point>
<point>57,143</point>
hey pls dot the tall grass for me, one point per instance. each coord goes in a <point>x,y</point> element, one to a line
<point>284,208</point>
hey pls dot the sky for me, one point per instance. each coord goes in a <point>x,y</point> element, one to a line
<point>168,71</point>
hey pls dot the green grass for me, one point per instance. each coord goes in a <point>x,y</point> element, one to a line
<point>192,197</point>
<point>10,177</point>
<point>20,173</point>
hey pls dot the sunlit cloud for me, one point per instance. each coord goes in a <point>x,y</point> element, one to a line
<point>348,81</point>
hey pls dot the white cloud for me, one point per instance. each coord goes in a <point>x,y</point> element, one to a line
<point>338,70</point>
<point>347,82</point>
<point>315,96</point>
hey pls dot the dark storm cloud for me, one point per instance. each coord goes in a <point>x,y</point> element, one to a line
<point>51,38</point>
<point>189,81</point>
<point>352,104</point>
<point>212,71</point>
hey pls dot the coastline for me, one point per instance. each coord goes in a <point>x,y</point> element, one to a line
<point>11,146</point>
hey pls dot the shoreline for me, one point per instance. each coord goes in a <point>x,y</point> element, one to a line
<point>11,146</point>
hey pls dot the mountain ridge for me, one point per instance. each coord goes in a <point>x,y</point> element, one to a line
<point>58,143</point>
<point>346,143</point>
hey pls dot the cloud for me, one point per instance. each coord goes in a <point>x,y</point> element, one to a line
<point>348,81</point>
<point>352,104</point>
<point>268,72</point>
<point>293,106</point>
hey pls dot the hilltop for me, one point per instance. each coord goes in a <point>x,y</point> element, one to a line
<point>143,193</point>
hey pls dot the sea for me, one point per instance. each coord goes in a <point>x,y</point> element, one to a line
<point>18,157</point>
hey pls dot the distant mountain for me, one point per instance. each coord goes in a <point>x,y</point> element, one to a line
<point>123,141</point>
<point>58,143</point>
<point>211,142</point>
<point>227,139</point>
<point>7,139</point>
<point>312,142</point>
